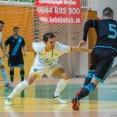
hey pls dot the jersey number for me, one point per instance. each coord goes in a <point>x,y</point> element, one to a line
<point>112,28</point>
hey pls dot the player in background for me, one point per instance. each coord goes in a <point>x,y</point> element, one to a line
<point>16,43</point>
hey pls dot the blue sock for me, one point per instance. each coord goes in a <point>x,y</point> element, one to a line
<point>91,86</point>
<point>4,75</point>
<point>86,90</point>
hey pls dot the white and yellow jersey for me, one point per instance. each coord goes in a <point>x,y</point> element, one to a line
<point>45,58</point>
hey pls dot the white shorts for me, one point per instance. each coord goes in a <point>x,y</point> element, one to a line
<point>40,71</point>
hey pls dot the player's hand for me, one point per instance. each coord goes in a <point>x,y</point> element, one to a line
<point>5,55</point>
<point>82,43</point>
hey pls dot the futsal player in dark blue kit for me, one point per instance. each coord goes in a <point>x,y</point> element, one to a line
<point>16,42</point>
<point>102,56</point>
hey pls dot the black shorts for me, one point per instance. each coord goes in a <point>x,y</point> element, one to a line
<point>16,61</point>
<point>101,62</point>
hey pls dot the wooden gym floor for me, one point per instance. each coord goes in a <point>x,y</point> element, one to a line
<point>36,100</point>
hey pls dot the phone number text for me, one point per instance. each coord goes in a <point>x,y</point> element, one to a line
<point>58,10</point>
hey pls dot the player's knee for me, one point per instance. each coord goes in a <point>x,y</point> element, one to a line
<point>30,79</point>
<point>65,76</point>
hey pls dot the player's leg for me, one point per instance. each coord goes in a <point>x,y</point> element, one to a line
<point>31,78</point>
<point>104,64</point>
<point>22,73</point>
<point>60,73</point>
<point>4,74</point>
<point>34,73</point>
<point>89,76</point>
<point>88,79</point>
<point>11,76</point>
<point>12,62</point>
<point>20,63</point>
<point>85,91</point>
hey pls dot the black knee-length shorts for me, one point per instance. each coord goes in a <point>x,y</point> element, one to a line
<point>16,61</point>
<point>101,62</point>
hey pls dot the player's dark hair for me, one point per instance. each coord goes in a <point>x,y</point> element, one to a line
<point>107,12</point>
<point>1,22</point>
<point>48,36</point>
<point>15,28</point>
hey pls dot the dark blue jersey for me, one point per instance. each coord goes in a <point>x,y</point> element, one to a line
<point>15,45</point>
<point>106,30</point>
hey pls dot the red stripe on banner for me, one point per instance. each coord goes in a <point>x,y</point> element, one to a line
<point>59,11</point>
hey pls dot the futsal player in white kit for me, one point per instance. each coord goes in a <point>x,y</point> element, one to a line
<point>47,53</point>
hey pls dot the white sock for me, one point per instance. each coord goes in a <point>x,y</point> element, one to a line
<point>18,89</point>
<point>60,86</point>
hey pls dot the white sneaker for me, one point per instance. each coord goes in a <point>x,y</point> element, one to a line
<point>59,100</point>
<point>8,101</point>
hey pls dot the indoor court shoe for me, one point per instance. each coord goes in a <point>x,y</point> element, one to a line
<point>78,92</point>
<point>59,100</point>
<point>7,85</point>
<point>8,101</point>
<point>75,103</point>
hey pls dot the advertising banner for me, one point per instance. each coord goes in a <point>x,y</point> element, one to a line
<point>59,11</point>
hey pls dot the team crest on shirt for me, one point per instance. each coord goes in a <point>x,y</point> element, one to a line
<point>46,61</point>
<point>34,69</point>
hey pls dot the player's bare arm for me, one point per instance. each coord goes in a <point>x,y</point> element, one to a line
<point>76,49</point>
<point>24,48</point>
<point>82,43</point>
